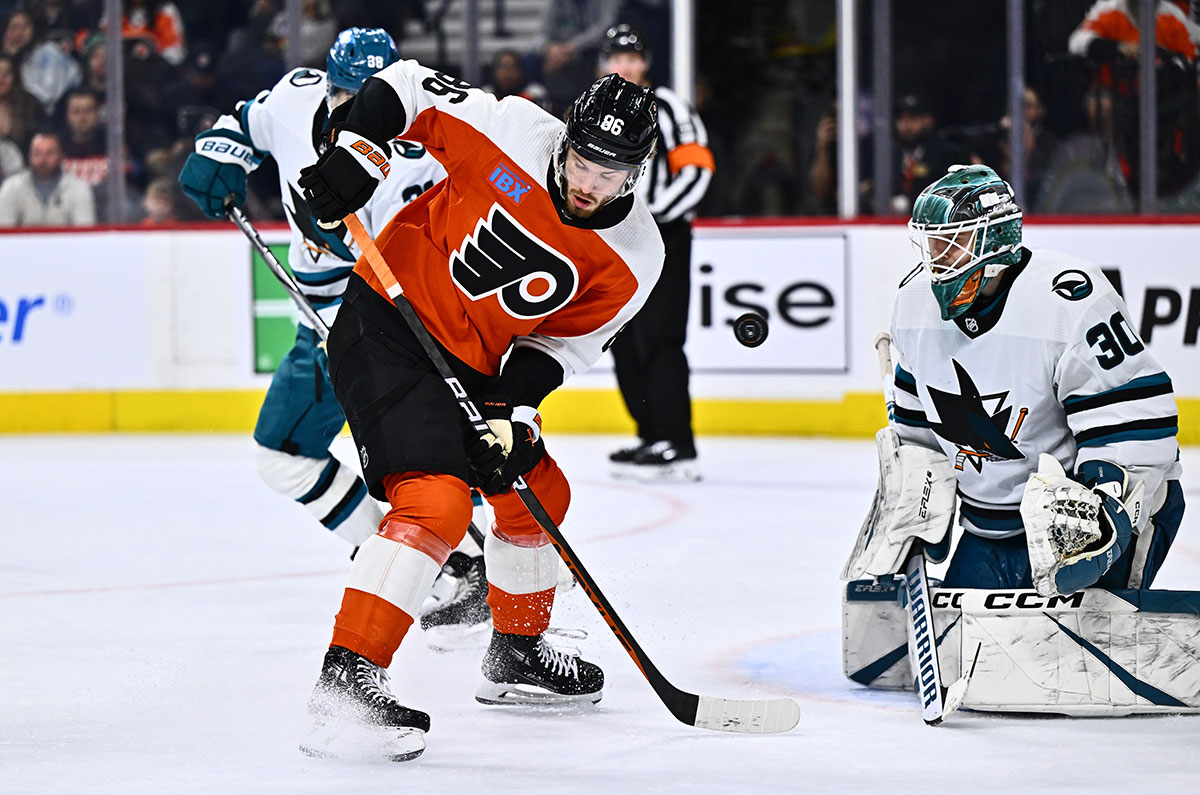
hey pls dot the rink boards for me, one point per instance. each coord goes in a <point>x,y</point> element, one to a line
<point>169,330</point>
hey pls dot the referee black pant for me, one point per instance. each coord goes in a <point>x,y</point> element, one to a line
<point>651,366</point>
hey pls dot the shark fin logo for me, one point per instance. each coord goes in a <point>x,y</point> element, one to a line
<point>977,423</point>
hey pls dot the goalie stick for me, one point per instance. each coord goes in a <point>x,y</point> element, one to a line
<point>937,702</point>
<point>298,297</point>
<point>705,712</point>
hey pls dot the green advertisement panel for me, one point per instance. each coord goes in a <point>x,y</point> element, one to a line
<point>275,316</point>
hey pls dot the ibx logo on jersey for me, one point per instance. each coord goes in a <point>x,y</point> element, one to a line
<point>504,178</point>
<point>502,258</point>
<point>981,434</point>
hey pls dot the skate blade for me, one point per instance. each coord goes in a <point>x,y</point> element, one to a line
<point>454,637</point>
<point>337,739</point>
<point>684,472</point>
<point>503,694</point>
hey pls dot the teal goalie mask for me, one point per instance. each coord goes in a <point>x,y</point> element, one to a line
<point>966,229</point>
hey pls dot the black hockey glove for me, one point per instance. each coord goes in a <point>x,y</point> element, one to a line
<point>512,448</point>
<point>344,177</point>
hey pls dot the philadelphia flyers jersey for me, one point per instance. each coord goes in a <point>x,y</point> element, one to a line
<point>487,258</point>
<point>1051,365</point>
<point>286,122</point>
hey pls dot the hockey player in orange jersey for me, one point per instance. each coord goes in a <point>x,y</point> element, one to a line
<point>534,246</point>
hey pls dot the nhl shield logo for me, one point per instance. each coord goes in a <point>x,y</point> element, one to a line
<point>362,456</point>
<point>972,325</point>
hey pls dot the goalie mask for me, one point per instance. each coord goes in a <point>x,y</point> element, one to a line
<point>614,125</point>
<point>966,229</point>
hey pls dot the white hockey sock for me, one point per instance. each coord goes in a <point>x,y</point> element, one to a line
<point>330,491</point>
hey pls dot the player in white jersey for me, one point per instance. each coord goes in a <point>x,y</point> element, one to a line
<point>1022,367</point>
<point>300,417</point>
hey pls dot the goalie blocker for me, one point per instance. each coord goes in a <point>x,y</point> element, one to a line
<point>1095,652</point>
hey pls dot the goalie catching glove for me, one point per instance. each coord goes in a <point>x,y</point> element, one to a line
<point>511,449</point>
<point>345,176</point>
<point>1076,529</point>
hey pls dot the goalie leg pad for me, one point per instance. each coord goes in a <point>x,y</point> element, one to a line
<point>875,648</point>
<point>1095,652</point>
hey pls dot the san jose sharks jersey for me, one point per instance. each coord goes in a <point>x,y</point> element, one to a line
<point>286,122</point>
<point>490,258</point>
<point>1052,364</point>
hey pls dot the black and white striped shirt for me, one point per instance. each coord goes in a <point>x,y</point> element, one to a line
<point>682,166</point>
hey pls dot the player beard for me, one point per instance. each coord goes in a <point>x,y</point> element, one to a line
<point>591,205</point>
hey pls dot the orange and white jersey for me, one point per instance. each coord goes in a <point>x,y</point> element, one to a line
<point>487,257</point>
<point>1116,20</point>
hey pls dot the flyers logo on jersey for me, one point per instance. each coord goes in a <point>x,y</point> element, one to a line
<point>504,179</point>
<point>502,258</point>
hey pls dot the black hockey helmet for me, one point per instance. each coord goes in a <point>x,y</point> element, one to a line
<point>625,38</point>
<point>614,123</point>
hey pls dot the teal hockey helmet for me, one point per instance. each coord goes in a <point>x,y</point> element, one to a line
<point>357,54</point>
<point>966,229</point>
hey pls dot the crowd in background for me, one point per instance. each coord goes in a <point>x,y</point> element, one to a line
<point>766,89</point>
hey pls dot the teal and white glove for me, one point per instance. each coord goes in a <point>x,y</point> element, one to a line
<point>1077,528</point>
<point>215,174</point>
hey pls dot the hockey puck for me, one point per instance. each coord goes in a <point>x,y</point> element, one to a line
<point>750,329</point>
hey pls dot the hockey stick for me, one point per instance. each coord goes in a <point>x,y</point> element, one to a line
<point>298,297</point>
<point>705,712</point>
<point>937,702</point>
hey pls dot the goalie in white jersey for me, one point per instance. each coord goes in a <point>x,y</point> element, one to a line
<point>300,417</point>
<point>1021,370</point>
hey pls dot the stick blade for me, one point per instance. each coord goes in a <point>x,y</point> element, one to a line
<point>747,717</point>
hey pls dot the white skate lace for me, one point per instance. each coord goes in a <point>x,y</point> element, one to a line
<point>374,682</point>
<point>564,662</point>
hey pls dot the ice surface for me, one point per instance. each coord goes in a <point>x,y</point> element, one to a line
<point>164,615</point>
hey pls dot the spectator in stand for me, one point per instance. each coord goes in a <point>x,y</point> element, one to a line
<point>11,160</point>
<point>161,202</point>
<point>1040,146</point>
<point>63,19</point>
<point>85,148</point>
<point>196,96</point>
<point>318,29</point>
<point>23,108</point>
<point>1108,38</point>
<point>572,31</point>
<point>159,24</point>
<point>43,194</point>
<point>508,79</point>
<point>921,156</point>
<point>46,69</point>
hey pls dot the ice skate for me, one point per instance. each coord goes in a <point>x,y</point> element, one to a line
<point>355,715</point>
<point>663,462</point>
<point>621,461</point>
<point>525,669</point>
<point>463,620</point>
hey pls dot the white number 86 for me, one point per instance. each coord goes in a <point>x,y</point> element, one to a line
<point>612,124</point>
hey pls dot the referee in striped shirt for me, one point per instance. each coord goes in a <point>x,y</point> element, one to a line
<point>651,366</point>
